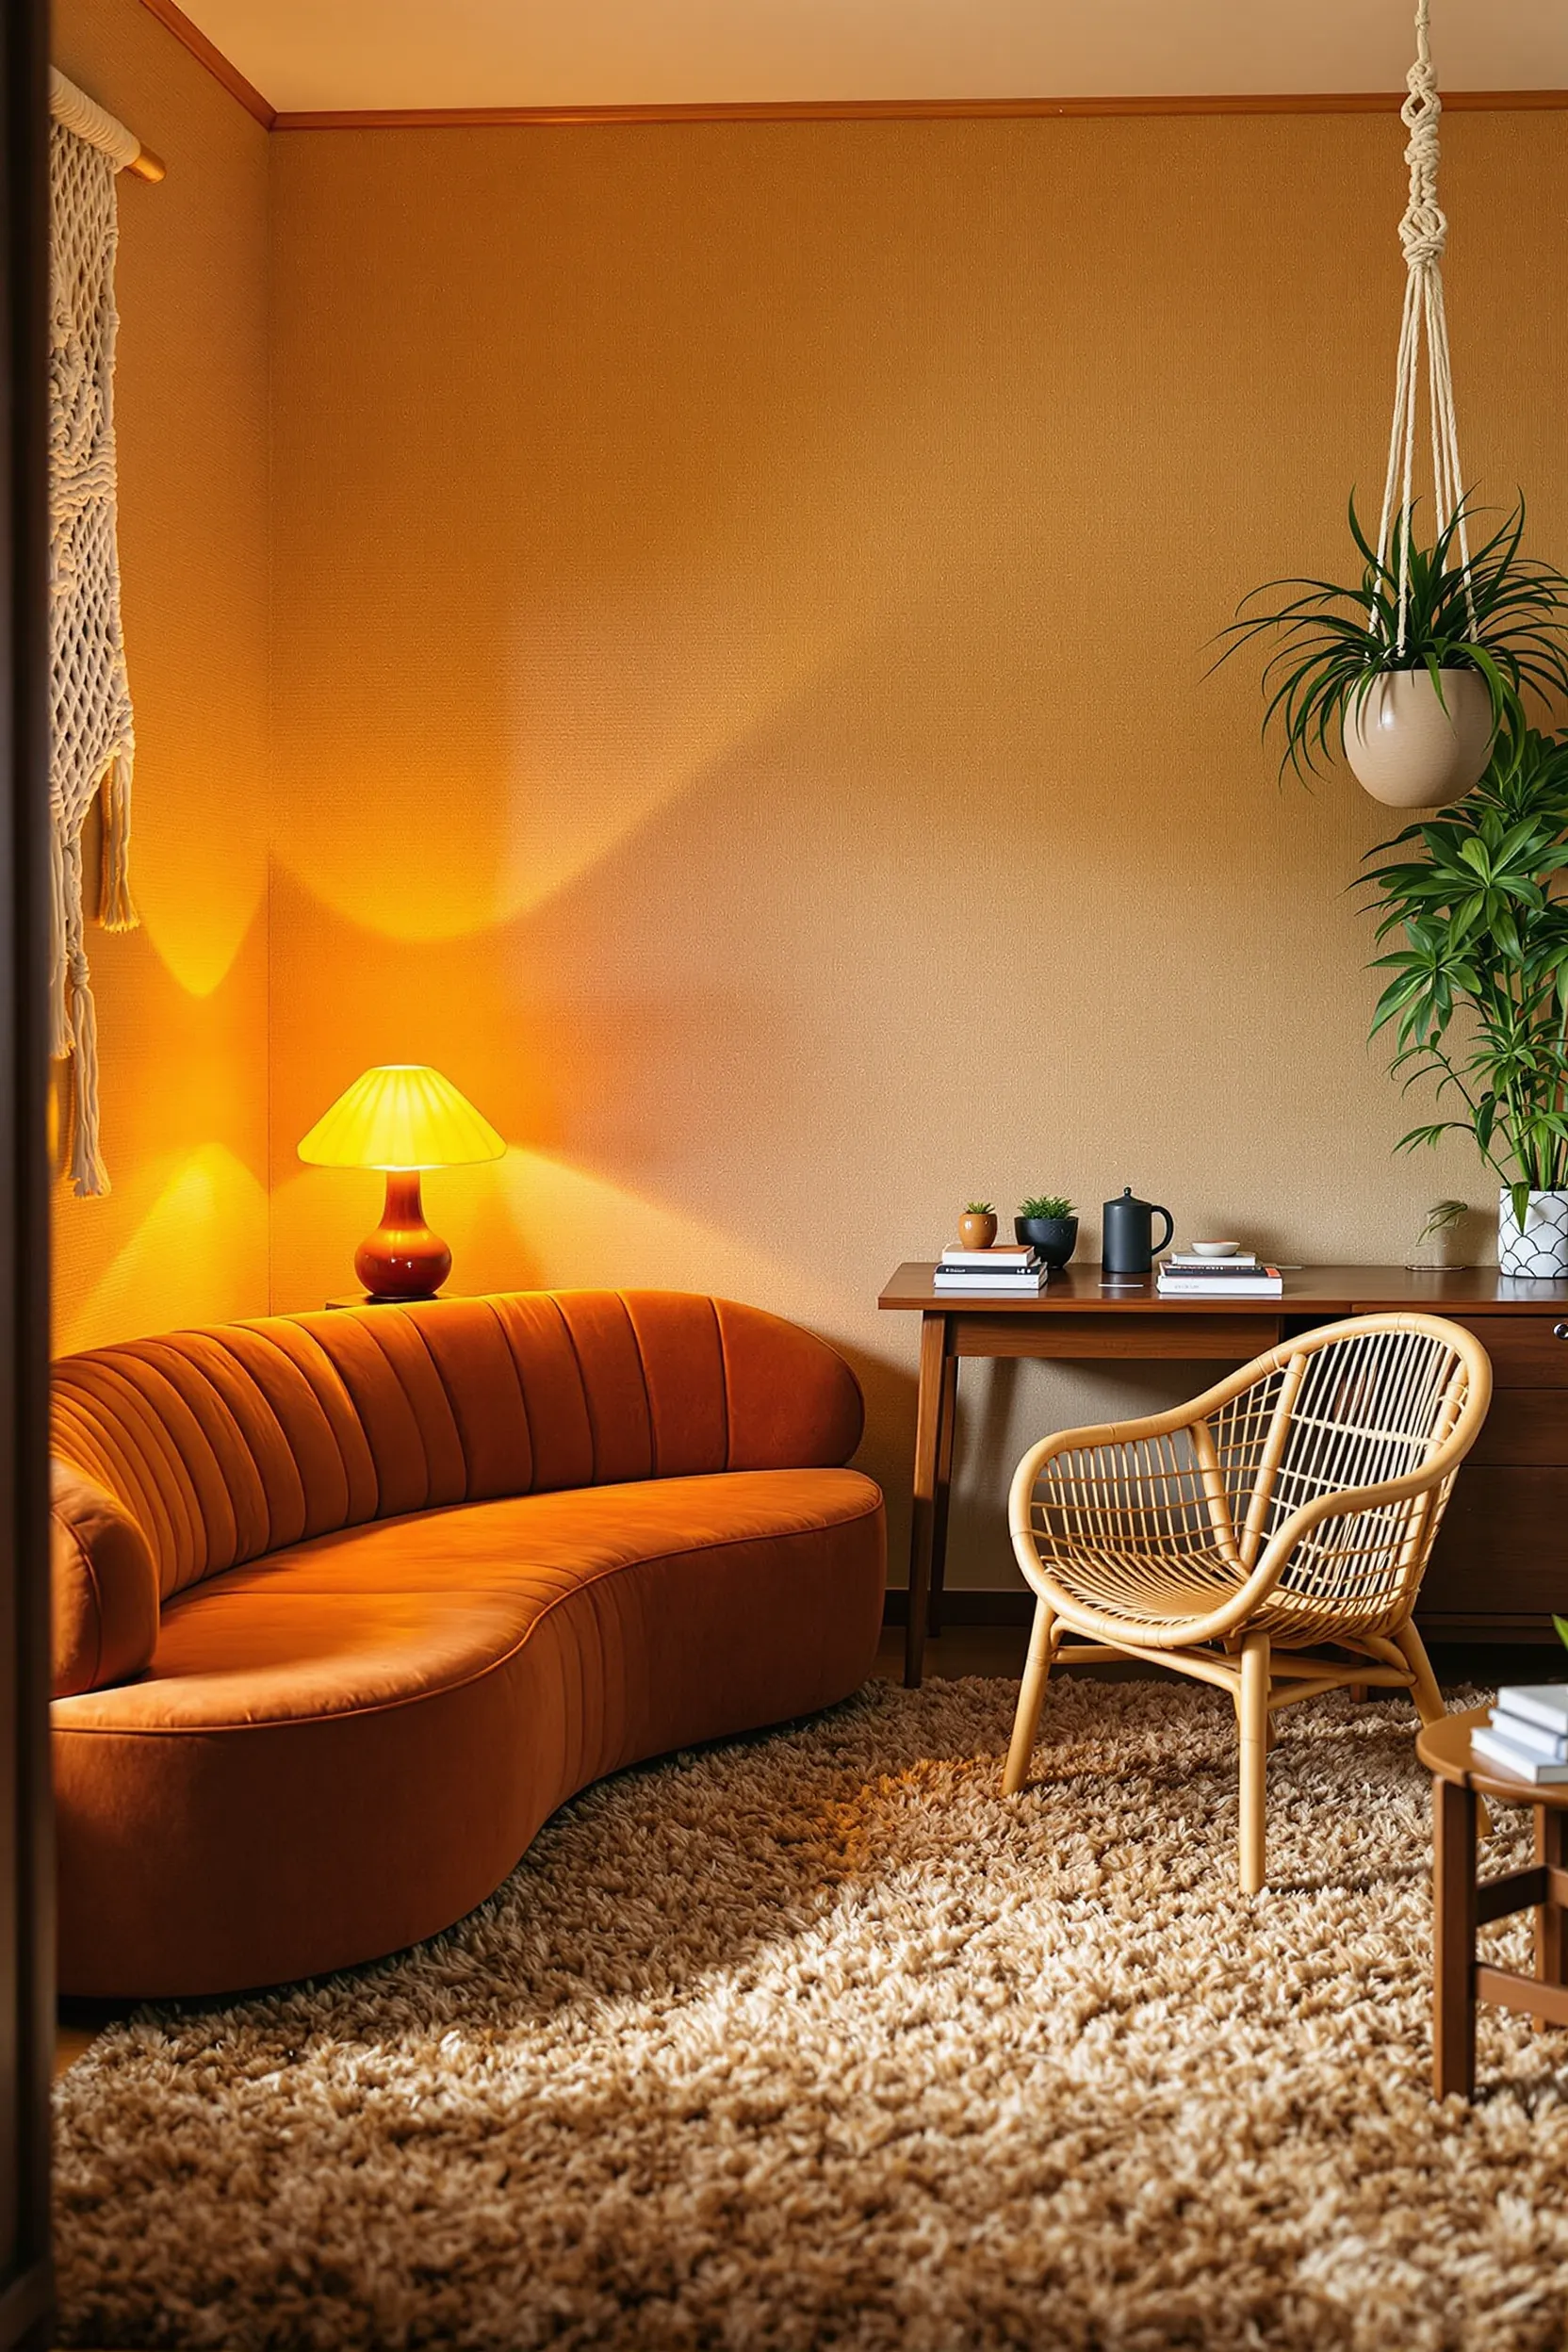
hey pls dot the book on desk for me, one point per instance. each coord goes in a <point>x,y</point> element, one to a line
<point>1184,1275</point>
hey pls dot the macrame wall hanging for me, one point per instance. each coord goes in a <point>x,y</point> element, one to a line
<point>94,738</point>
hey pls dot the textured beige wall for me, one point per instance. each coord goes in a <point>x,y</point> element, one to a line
<point>182,1002</point>
<point>740,609</point>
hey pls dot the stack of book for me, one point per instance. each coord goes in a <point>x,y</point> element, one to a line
<point>1004,1270</point>
<point>1185,1276</point>
<point>1528,1733</point>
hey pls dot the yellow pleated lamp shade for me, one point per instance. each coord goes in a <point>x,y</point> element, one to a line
<point>405,1115</point>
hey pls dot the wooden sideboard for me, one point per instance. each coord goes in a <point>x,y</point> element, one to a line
<point>1500,1567</point>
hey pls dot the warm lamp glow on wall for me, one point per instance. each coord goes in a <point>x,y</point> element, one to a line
<point>404,1118</point>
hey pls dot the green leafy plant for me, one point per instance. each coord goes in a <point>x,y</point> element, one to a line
<point>978,1208</point>
<point>1047,1204</point>
<point>1476,992</point>
<point>1505,617</point>
<point>1561,1625</point>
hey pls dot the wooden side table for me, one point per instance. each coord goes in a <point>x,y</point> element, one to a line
<point>1460,1905</point>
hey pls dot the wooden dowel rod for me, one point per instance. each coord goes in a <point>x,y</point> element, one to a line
<point>89,121</point>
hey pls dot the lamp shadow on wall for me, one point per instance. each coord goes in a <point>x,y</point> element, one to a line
<point>181,1236</point>
<point>677,1038</point>
<point>732,1040</point>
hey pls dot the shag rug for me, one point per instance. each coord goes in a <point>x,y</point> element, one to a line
<point>812,2040</point>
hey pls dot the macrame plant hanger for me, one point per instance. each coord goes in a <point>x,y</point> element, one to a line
<point>1413,741</point>
<point>1422,233</point>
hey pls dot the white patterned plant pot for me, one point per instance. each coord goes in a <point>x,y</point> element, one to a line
<point>1541,1250</point>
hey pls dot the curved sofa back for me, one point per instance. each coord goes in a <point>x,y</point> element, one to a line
<point>225,1444</point>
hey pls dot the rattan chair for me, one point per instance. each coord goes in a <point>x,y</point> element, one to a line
<point>1270,1537</point>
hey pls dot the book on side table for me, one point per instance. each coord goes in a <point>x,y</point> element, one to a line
<point>1001,1269</point>
<point>1527,1734</point>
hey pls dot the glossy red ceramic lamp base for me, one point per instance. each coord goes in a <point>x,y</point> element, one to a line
<point>402,1258</point>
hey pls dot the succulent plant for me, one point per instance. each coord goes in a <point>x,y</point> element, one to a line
<point>1047,1204</point>
<point>1561,1625</point>
<point>978,1208</point>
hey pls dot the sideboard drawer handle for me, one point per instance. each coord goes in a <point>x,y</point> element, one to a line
<point>1560,1330</point>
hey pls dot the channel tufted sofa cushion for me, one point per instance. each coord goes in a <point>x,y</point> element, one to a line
<point>346,1603</point>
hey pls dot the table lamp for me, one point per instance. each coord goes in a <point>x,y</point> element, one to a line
<point>403,1118</point>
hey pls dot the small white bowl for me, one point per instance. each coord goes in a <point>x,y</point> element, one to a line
<point>1215,1249</point>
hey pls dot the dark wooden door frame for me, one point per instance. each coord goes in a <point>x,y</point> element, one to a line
<point>26,1851</point>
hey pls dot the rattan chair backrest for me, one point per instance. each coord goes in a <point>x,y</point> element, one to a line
<point>1275,1479</point>
<point>1356,1406</point>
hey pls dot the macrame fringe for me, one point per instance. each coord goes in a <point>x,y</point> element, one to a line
<point>72,1015</point>
<point>59,1023</point>
<point>115,907</point>
<point>90,1178</point>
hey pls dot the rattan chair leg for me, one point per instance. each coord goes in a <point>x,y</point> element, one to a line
<point>1031,1698</point>
<point>1428,1698</point>
<point>1254,1759</point>
<point>1271,1737</point>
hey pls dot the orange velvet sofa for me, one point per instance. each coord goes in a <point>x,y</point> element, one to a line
<point>346,1603</point>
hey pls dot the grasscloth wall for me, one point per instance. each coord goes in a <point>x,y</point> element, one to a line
<point>738,600</point>
<point>740,605</point>
<point>182,1002</point>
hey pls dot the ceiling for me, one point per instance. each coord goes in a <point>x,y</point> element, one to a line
<point>315,55</point>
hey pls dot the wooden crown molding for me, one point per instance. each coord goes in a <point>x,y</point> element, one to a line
<point>820,109</point>
<point>910,109</point>
<point>208,52</point>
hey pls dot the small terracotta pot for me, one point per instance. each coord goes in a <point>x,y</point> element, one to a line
<point>1411,752</point>
<point>975,1232</point>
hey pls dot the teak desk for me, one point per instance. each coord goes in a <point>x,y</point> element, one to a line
<point>1501,1566</point>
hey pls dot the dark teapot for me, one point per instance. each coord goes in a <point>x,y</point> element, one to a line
<point>1127,1243</point>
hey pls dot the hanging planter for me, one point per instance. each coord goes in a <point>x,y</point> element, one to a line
<point>1417,670</point>
<point>1415,740</point>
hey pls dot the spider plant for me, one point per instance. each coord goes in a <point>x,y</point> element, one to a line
<point>1442,1219</point>
<point>1476,994</point>
<point>1505,617</point>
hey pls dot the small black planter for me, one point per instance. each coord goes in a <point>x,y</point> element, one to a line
<point>1055,1238</point>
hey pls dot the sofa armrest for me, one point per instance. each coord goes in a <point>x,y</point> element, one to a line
<point>105,1587</point>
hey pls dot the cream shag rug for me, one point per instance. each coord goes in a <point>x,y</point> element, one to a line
<point>813,2039</point>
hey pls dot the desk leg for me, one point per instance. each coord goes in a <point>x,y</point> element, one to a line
<point>949,1423</point>
<point>1551,1918</point>
<point>1453,1939</point>
<point>922,1517</point>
